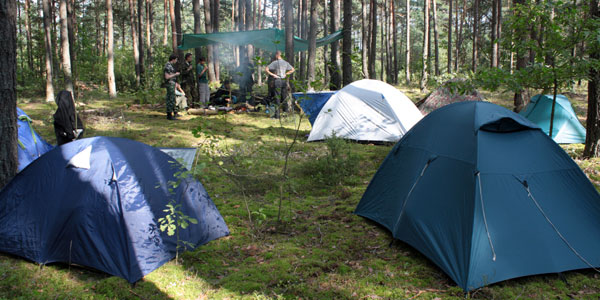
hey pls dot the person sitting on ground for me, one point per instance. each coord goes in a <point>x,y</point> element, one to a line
<point>180,98</point>
<point>223,96</point>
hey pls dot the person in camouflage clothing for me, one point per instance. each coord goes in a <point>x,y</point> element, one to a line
<point>188,83</point>
<point>170,78</point>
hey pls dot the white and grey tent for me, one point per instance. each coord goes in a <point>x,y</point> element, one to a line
<point>366,110</point>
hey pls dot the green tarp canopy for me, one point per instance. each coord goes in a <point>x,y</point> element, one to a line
<point>271,39</point>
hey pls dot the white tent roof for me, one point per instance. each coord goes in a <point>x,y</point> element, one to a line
<point>366,110</point>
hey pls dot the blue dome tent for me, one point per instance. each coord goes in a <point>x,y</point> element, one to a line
<point>31,144</point>
<point>567,129</point>
<point>96,202</point>
<point>487,196</point>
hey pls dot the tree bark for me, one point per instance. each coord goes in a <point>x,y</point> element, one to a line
<point>289,31</point>
<point>149,32</point>
<point>215,7</point>
<point>197,24</point>
<point>28,33</point>
<point>8,88</point>
<point>112,87</point>
<point>48,51</point>
<point>209,49</point>
<point>395,44</point>
<point>347,43</point>
<point>173,26</point>
<point>435,36</point>
<point>592,138</point>
<point>312,41</point>
<point>408,44</point>
<point>449,65</point>
<point>424,73</point>
<point>72,29</point>
<point>166,23</point>
<point>303,33</point>
<point>365,39</point>
<point>134,38</point>
<point>494,34</point>
<point>475,35</point>
<point>457,61</point>
<point>373,39</point>
<point>518,100</point>
<point>140,26</point>
<point>65,52</point>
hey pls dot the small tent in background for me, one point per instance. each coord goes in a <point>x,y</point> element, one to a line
<point>31,144</point>
<point>567,129</point>
<point>366,110</point>
<point>455,90</point>
<point>487,196</point>
<point>312,102</point>
<point>97,202</point>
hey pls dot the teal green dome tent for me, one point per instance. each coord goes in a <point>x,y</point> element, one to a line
<point>567,129</point>
<point>486,196</point>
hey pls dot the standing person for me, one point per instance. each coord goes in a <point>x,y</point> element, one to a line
<point>170,75</point>
<point>188,84</point>
<point>279,70</point>
<point>203,89</point>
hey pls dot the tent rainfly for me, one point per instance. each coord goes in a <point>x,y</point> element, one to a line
<point>486,196</point>
<point>271,39</point>
<point>97,202</point>
<point>366,110</point>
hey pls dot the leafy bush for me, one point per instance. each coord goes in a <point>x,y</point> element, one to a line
<point>338,163</point>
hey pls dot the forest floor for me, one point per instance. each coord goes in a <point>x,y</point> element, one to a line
<point>319,250</point>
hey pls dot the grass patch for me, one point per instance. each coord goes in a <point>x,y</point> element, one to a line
<point>322,250</point>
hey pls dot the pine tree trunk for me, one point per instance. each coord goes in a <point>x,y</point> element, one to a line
<point>373,45</point>
<point>289,30</point>
<point>347,43</point>
<point>48,51</point>
<point>394,43</point>
<point>112,87</point>
<point>475,35</point>
<point>65,52</point>
<point>518,100</point>
<point>303,33</point>
<point>457,61</point>
<point>149,33</point>
<point>134,38</point>
<point>28,33</point>
<point>592,139</point>
<point>8,86</point>
<point>72,28</point>
<point>424,73</point>
<point>365,39</point>
<point>408,44</point>
<point>494,34</point>
<point>141,35</point>
<point>166,23</point>
<point>312,41</point>
<point>449,64</point>
<point>173,26</point>
<point>435,35</point>
<point>209,49</point>
<point>215,7</point>
<point>197,24</point>
<point>334,60</point>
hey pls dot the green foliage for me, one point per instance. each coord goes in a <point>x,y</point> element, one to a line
<point>338,162</point>
<point>175,219</point>
<point>560,27</point>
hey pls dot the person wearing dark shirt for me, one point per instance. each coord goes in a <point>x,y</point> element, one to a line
<point>203,89</point>
<point>170,79</point>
